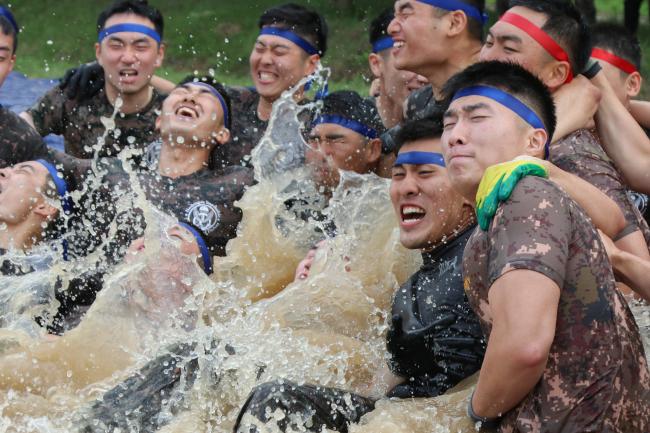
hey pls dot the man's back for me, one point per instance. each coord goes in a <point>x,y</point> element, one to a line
<point>596,377</point>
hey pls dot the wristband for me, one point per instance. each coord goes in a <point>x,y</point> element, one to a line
<point>490,423</point>
<point>592,70</point>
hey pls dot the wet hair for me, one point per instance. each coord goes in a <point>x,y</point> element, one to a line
<point>349,104</point>
<point>305,22</point>
<point>136,7</point>
<point>427,128</point>
<point>379,26</point>
<point>474,27</point>
<point>211,81</point>
<point>510,78</point>
<point>566,26</point>
<point>8,29</point>
<point>619,40</point>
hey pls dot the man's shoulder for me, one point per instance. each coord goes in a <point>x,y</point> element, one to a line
<point>420,103</point>
<point>241,96</point>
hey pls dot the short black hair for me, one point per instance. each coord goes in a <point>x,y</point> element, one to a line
<point>512,79</point>
<point>211,81</point>
<point>136,7</point>
<point>8,28</point>
<point>306,23</point>
<point>349,104</point>
<point>619,40</point>
<point>429,127</point>
<point>566,26</point>
<point>474,27</point>
<point>379,26</point>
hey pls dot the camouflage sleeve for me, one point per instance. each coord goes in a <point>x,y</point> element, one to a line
<point>532,230</point>
<point>49,111</point>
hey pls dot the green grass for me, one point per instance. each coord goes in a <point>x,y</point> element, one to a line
<point>203,34</point>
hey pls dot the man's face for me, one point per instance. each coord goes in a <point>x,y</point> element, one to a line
<point>21,190</point>
<point>332,148</point>
<point>427,207</point>
<point>478,133</point>
<point>278,64</point>
<point>396,84</point>
<point>192,113</point>
<point>418,36</point>
<point>509,43</point>
<point>129,59</point>
<point>7,56</point>
<point>626,86</point>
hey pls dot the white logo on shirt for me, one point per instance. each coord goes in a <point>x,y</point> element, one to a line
<point>203,215</point>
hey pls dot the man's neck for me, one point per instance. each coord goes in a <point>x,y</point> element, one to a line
<point>265,105</point>
<point>131,102</point>
<point>179,160</point>
<point>464,54</point>
<point>20,237</point>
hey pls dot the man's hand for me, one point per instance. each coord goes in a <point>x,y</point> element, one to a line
<point>498,183</point>
<point>84,81</point>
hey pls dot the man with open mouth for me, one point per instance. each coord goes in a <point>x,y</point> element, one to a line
<point>130,49</point>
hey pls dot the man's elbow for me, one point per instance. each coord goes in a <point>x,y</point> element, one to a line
<point>531,355</point>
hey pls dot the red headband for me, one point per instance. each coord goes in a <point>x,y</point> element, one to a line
<point>614,60</point>
<point>552,47</point>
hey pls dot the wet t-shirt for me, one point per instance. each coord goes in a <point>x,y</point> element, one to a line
<point>435,339</point>
<point>581,154</point>
<point>18,140</point>
<point>246,130</point>
<point>596,378</point>
<point>83,123</point>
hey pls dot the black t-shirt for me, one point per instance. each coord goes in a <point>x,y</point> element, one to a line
<point>435,339</point>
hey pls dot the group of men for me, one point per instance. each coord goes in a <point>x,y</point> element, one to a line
<point>520,204</point>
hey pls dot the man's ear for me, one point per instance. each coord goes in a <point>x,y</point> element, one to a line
<point>633,84</point>
<point>161,55</point>
<point>313,60</point>
<point>98,53</point>
<point>557,74</point>
<point>375,63</point>
<point>157,122</point>
<point>374,151</point>
<point>45,210</point>
<point>457,23</point>
<point>223,136</point>
<point>536,144</point>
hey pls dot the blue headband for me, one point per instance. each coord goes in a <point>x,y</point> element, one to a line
<point>510,102</point>
<point>129,27</point>
<point>355,126</point>
<point>205,252</point>
<point>4,12</point>
<point>215,92</point>
<point>61,187</point>
<point>456,5</point>
<point>420,158</point>
<point>382,44</point>
<point>290,36</point>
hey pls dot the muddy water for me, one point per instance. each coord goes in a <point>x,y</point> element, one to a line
<point>249,324</point>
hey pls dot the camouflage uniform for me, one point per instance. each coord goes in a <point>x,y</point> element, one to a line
<point>581,154</point>
<point>81,125</point>
<point>596,378</point>
<point>246,130</point>
<point>18,141</point>
<point>421,103</point>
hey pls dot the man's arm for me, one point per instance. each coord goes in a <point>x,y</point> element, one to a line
<point>622,138</point>
<point>576,104</point>
<point>631,269</point>
<point>640,110</point>
<point>603,211</point>
<point>524,311</point>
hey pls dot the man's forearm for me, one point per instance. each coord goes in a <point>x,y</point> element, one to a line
<point>505,378</point>
<point>622,137</point>
<point>634,271</point>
